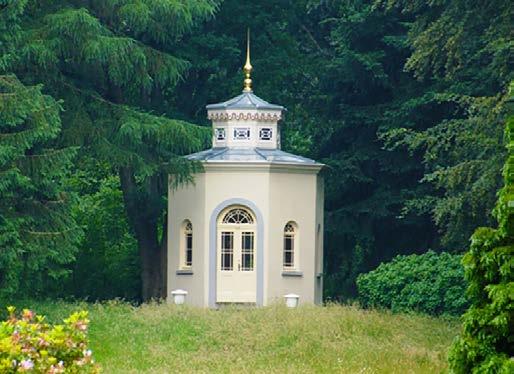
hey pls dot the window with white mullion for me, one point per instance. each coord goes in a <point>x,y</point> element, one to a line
<point>187,245</point>
<point>238,216</point>
<point>227,251</point>
<point>189,249</point>
<point>289,246</point>
<point>247,251</point>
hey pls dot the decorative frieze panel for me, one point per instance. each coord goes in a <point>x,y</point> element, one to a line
<point>245,116</point>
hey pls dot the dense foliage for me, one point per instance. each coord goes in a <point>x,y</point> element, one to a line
<point>38,234</point>
<point>107,263</point>
<point>113,62</point>
<point>430,283</point>
<point>487,342</point>
<point>363,97</point>
<point>341,78</point>
<point>29,344</point>
<point>403,100</point>
<point>463,51</point>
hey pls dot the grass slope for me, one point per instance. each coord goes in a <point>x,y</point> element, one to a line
<point>166,339</point>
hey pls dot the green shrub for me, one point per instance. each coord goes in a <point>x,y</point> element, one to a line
<point>431,283</point>
<point>28,344</point>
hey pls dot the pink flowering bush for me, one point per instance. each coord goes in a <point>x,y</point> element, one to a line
<point>29,344</point>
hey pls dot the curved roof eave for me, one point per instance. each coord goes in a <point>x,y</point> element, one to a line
<point>251,156</point>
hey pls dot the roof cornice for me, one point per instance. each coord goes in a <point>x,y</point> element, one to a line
<point>271,167</point>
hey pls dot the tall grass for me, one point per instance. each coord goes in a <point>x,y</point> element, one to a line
<point>170,339</point>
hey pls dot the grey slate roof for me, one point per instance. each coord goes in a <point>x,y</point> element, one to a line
<point>244,155</point>
<point>247,100</point>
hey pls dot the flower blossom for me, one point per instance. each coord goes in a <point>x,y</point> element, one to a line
<point>26,365</point>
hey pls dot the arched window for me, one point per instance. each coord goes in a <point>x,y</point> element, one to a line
<point>290,244</point>
<point>187,247</point>
<point>238,216</point>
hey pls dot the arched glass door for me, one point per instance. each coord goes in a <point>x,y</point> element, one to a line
<point>236,275</point>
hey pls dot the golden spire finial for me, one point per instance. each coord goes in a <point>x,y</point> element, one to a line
<point>248,66</point>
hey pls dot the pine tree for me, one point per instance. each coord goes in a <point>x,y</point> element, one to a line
<point>113,64</point>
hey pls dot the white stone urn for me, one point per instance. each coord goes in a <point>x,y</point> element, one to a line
<point>179,296</point>
<point>292,300</point>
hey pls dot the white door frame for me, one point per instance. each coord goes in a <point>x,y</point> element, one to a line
<point>236,252</point>
<point>259,250</point>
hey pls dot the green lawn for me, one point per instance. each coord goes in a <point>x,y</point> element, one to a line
<point>168,339</point>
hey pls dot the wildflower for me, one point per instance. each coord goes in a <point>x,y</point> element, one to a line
<point>28,315</point>
<point>57,369</point>
<point>80,325</point>
<point>43,343</point>
<point>26,365</point>
<point>27,348</point>
<point>15,337</point>
<point>32,338</point>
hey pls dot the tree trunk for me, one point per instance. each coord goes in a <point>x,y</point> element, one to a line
<point>144,208</point>
<point>151,267</point>
<point>143,215</point>
<point>164,256</point>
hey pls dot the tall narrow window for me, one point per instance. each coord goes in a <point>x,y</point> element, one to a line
<point>247,249</point>
<point>188,244</point>
<point>290,244</point>
<point>227,251</point>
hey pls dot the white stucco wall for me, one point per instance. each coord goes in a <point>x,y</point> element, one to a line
<point>282,194</point>
<point>188,202</point>
<point>320,222</point>
<point>292,198</point>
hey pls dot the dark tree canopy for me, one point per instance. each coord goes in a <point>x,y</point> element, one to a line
<point>402,100</point>
<point>112,63</point>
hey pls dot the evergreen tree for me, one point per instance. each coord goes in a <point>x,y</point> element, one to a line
<point>38,235</point>
<point>361,84</point>
<point>464,51</point>
<point>486,344</point>
<point>113,63</point>
<point>386,93</point>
